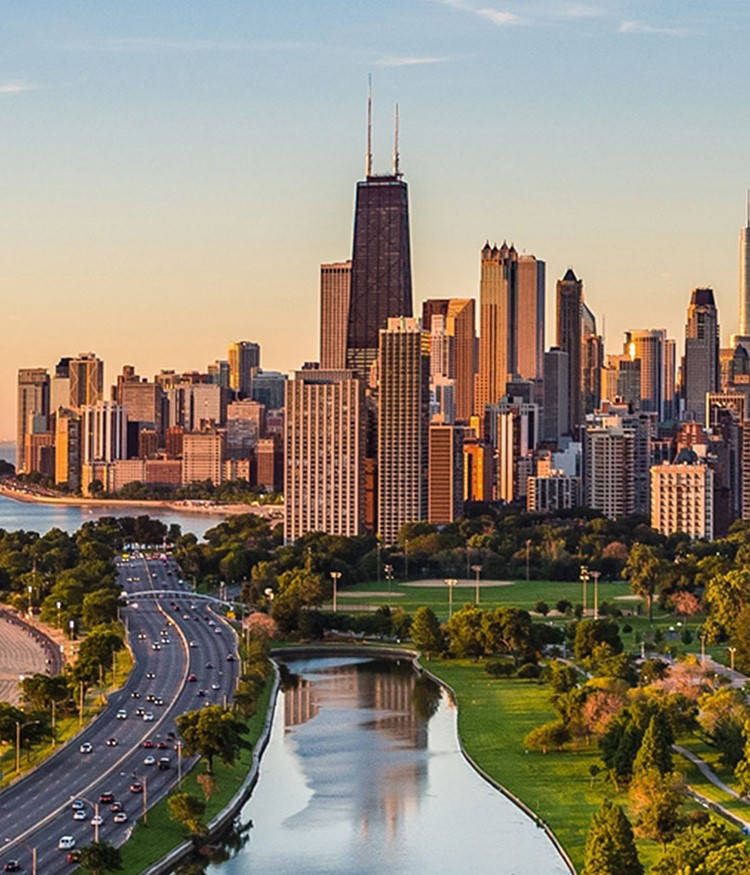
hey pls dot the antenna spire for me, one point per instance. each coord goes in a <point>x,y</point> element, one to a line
<point>395,142</point>
<point>368,156</point>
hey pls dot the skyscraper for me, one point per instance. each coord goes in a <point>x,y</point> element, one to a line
<point>745,276</point>
<point>335,290</point>
<point>592,360</point>
<point>33,400</point>
<point>650,348</point>
<point>244,361</point>
<point>403,410</point>
<point>701,365</point>
<point>324,473</point>
<point>86,373</point>
<point>569,304</point>
<point>446,471</point>
<point>381,259</point>
<point>498,284</point>
<point>103,432</point>
<point>530,317</point>
<point>556,394</point>
<point>459,320</point>
<point>608,481</point>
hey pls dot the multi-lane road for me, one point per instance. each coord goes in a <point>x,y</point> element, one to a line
<point>192,640</point>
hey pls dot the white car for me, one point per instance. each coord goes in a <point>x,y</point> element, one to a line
<point>66,843</point>
<point>149,716</point>
<point>156,646</point>
<point>149,761</point>
<point>193,644</point>
<point>215,687</point>
<point>120,817</point>
<point>79,815</point>
<point>78,805</point>
<point>122,714</point>
<point>97,820</point>
<point>217,631</point>
<point>86,747</point>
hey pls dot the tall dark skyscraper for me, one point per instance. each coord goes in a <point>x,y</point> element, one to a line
<point>381,259</point>
<point>700,371</point>
<point>569,303</point>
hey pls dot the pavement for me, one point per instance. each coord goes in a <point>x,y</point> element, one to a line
<point>22,652</point>
<point>36,811</point>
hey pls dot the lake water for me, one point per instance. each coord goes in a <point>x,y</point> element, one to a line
<point>363,774</point>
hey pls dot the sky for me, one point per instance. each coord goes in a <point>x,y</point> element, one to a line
<point>173,173</point>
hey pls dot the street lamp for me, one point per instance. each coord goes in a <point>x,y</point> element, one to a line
<point>31,590</point>
<point>179,763</point>
<point>703,650</point>
<point>388,569</point>
<point>528,544</point>
<point>450,583</point>
<point>19,729</point>
<point>406,558</point>
<point>584,581</point>
<point>477,571</point>
<point>732,651</point>
<point>95,823</point>
<point>58,605</point>
<point>335,577</point>
<point>595,575</point>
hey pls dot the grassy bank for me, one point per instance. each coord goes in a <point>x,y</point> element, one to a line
<point>67,725</point>
<point>494,715</point>
<point>151,841</point>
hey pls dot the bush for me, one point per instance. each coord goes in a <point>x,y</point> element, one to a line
<point>563,606</point>
<point>529,670</point>
<point>627,629</point>
<point>499,668</point>
<point>542,608</point>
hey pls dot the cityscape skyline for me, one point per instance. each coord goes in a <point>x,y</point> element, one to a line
<point>125,224</point>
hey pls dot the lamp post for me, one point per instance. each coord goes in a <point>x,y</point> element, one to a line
<point>31,590</point>
<point>732,651</point>
<point>95,822</point>
<point>406,558</point>
<point>179,763</point>
<point>477,569</point>
<point>388,569</point>
<point>58,605</point>
<point>528,544</point>
<point>377,538</point>
<point>19,729</point>
<point>335,577</point>
<point>450,582</point>
<point>584,581</point>
<point>703,650</point>
<point>595,575</point>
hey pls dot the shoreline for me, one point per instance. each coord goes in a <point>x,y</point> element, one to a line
<point>179,505</point>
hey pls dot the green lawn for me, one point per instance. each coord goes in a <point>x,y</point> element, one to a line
<point>151,842</point>
<point>494,716</point>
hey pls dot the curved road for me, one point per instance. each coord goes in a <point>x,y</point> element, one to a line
<point>36,812</point>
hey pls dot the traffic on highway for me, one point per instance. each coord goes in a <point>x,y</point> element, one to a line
<point>130,756</point>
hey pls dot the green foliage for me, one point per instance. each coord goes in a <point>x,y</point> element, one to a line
<point>610,846</point>
<point>644,569</point>
<point>655,800</point>
<point>425,631</point>
<point>499,668</point>
<point>529,670</point>
<point>96,650</point>
<point>188,810</point>
<point>692,850</point>
<point>623,736</point>
<point>552,735</point>
<point>655,751</point>
<point>298,588</point>
<point>591,634</point>
<point>212,732</point>
<point>100,857</point>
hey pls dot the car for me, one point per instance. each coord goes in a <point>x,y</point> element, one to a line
<point>164,632</point>
<point>230,657</point>
<point>120,817</point>
<point>150,675</point>
<point>73,857</point>
<point>215,686</point>
<point>164,763</point>
<point>111,742</point>
<point>86,747</point>
<point>201,693</point>
<point>150,697</point>
<point>209,665</point>
<point>148,743</point>
<point>149,760</point>
<point>162,745</point>
<point>155,645</point>
<point>11,866</point>
<point>217,631</point>
<point>65,843</point>
<point>192,678</point>
<point>211,622</point>
<point>78,805</point>
<point>141,636</point>
<point>135,695</point>
<point>106,798</point>
<point>148,717</point>
<point>139,712</point>
<point>115,807</point>
<point>186,616</point>
<point>158,700</point>
<point>136,787</point>
<point>122,714</point>
<point>97,820</point>
<point>79,815</point>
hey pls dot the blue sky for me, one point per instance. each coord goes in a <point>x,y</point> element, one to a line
<point>173,173</point>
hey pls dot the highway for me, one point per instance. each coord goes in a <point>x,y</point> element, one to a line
<point>36,811</point>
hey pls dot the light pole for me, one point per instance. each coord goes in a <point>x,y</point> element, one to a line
<point>703,650</point>
<point>584,582</point>
<point>95,822</point>
<point>19,729</point>
<point>377,537</point>
<point>595,575</point>
<point>179,763</point>
<point>388,569</point>
<point>477,569</point>
<point>406,558</point>
<point>528,544</point>
<point>335,577</point>
<point>31,590</point>
<point>450,582</point>
<point>732,651</point>
<point>58,605</point>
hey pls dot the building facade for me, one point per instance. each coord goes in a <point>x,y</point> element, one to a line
<point>335,291</point>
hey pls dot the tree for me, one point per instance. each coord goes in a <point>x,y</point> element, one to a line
<point>655,752</point>
<point>549,735</point>
<point>298,588</point>
<point>610,846</point>
<point>100,857</point>
<point>691,851</point>
<point>188,810</point>
<point>100,606</point>
<point>655,803</point>
<point>425,631</point>
<point>212,732</point>
<point>726,594</point>
<point>644,569</point>
<point>590,634</point>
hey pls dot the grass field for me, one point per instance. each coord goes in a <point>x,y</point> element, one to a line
<point>493,718</point>
<point>152,841</point>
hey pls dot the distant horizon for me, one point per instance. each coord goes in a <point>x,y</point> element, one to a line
<point>176,181</point>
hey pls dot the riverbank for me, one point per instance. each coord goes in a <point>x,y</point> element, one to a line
<point>182,506</point>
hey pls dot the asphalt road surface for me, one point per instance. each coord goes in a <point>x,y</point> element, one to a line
<point>36,811</point>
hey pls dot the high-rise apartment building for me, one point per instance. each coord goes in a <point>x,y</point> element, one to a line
<point>445,499</point>
<point>608,465</point>
<point>244,361</point>
<point>67,449</point>
<point>553,491</point>
<point>530,313</point>
<point>402,441</point>
<point>556,422</point>
<point>33,400</point>
<point>203,456</point>
<point>206,404</point>
<point>569,309</point>
<point>477,470</point>
<point>59,389</point>
<point>246,425</point>
<point>682,497</point>
<point>86,374</point>
<point>324,451</point>
<point>143,403</point>
<point>335,291</point>
<point>621,380</point>
<point>218,372</point>
<point>498,286</point>
<point>592,359</point>
<point>652,350</point>
<point>744,302</point>
<point>460,330</point>
<point>701,364</point>
<point>103,432</point>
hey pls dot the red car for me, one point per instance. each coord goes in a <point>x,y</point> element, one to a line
<point>162,745</point>
<point>192,678</point>
<point>106,798</point>
<point>148,743</point>
<point>136,787</point>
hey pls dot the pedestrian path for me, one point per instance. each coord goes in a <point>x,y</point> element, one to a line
<point>21,653</point>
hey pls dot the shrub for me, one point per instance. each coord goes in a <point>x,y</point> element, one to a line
<point>499,668</point>
<point>529,670</point>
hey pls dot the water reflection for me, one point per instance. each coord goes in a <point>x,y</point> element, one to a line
<point>362,774</point>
